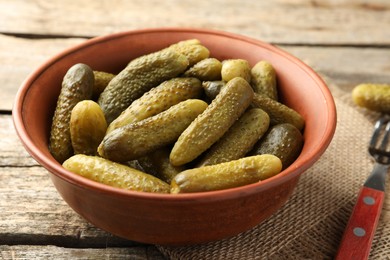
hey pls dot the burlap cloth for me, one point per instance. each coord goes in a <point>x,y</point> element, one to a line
<point>311,223</point>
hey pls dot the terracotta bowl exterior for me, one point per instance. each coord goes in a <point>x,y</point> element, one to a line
<point>174,219</point>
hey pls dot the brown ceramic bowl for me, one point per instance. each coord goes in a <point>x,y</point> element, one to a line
<point>174,219</point>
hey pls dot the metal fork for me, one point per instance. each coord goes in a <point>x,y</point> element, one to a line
<point>358,235</point>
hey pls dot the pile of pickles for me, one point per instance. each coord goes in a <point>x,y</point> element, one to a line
<point>175,121</point>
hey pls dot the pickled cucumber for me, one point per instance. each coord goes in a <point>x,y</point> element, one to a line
<point>140,138</point>
<point>114,174</point>
<point>195,52</point>
<point>375,97</point>
<point>157,163</point>
<point>211,125</point>
<point>139,76</point>
<point>212,88</point>
<point>235,68</point>
<point>263,79</point>
<point>284,141</point>
<point>227,175</point>
<point>278,112</point>
<point>239,139</point>
<point>101,81</point>
<point>87,127</point>
<point>158,99</point>
<point>207,69</point>
<point>77,85</point>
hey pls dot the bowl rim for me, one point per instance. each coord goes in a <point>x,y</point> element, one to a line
<point>84,183</point>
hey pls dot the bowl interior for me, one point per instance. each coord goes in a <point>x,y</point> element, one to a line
<point>299,87</point>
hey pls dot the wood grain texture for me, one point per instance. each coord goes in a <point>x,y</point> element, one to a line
<point>21,252</point>
<point>282,21</point>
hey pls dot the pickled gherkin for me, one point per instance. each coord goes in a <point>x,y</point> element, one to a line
<point>87,127</point>
<point>226,175</point>
<point>207,69</point>
<point>375,97</point>
<point>192,49</point>
<point>114,174</point>
<point>235,68</point>
<point>101,81</point>
<point>239,139</point>
<point>284,141</point>
<point>140,138</point>
<point>77,85</point>
<point>278,112</point>
<point>158,99</point>
<point>263,79</point>
<point>139,76</point>
<point>211,125</point>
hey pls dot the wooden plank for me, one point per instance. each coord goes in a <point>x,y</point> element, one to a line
<point>23,252</point>
<point>19,57</point>
<point>282,21</point>
<point>32,212</point>
<point>12,152</point>
<point>344,66</point>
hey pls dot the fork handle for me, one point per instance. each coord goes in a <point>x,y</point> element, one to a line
<point>358,235</point>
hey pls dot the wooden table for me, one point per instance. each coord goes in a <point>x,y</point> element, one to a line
<point>346,41</point>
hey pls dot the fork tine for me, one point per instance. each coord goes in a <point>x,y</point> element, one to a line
<point>377,131</point>
<point>385,140</point>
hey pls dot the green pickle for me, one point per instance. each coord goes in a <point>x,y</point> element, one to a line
<point>263,79</point>
<point>158,99</point>
<point>140,138</point>
<point>235,68</point>
<point>212,88</point>
<point>157,163</point>
<point>192,49</point>
<point>227,175</point>
<point>278,112</point>
<point>77,85</point>
<point>375,97</point>
<point>102,79</point>
<point>205,70</point>
<point>114,174</point>
<point>139,76</point>
<point>211,125</point>
<point>239,139</point>
<point>87,127</point>
<point>284,141</point>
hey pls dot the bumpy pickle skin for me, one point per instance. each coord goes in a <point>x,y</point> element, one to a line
<point>235,68</point>
<point>158,99</point>
<point>263,79</point>
<point>114,174</point>
<point>139,76</point>
<point>284,141</point>
<point>157,163</point>
<point>212,88</point>
<point>375,97</point>
<point>206,70</point>
<point>227,175</point>
<point>102,79</point>
<point>140,138</point>
<point>278,112</point>
<point>194,52</point>
<point>87,127</point>
<point>77,85</point>
<point>239,139</point>
<point>211,125</point>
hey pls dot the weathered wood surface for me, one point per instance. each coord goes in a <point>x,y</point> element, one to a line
<point>347,42</point>
<point>61,253</point>
<point>281,21</point>
<point>346,66</point>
